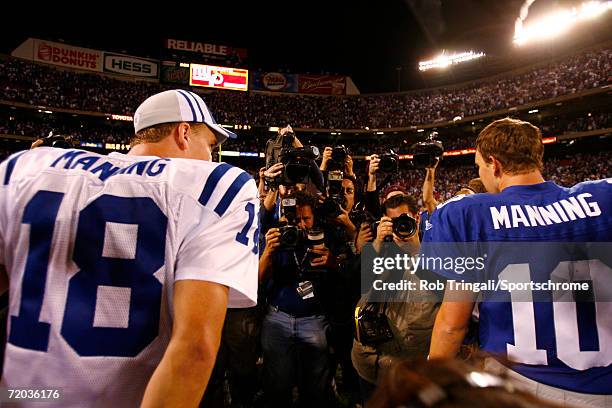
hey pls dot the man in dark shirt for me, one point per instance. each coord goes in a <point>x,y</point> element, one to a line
<point>294,332</point>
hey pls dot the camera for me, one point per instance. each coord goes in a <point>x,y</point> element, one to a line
<point>339,154</point>
<point>427,152</point>
<point>297,161</point>
<point>314,236</point>
<point>388,162</point>
<point>289,237</point>
<point>404,227</point>
<point>333,204</point>
<point>359,215</point>
<point>290,234</point>
<point>372,325</point>
<point>59,141</point>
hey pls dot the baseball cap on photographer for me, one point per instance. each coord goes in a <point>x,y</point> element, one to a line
<point>177,105</point>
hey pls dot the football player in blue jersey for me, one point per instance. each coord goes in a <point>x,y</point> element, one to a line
<point>560,350</point>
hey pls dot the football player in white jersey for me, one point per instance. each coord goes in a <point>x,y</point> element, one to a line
<point>120,268</point>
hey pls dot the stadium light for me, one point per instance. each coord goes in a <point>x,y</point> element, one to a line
<point>444,60</point>
<point>558,22</point>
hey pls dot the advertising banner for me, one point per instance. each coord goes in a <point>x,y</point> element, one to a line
<point>322,84</point>
<point>206,50</point>
<point>128,65</point>
<point>173,73</point>
<point>219,77</point>
<point>274,81</point>
<point>64,55</point>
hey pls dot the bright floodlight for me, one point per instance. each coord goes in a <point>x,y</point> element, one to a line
<point>444,60</point>
<point>558,22</point>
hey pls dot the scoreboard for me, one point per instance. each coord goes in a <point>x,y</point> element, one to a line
<point>219,77</point>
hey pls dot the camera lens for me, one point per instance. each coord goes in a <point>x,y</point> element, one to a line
<point>388,163</point>
<point>289,236</point>
<point>339,154</point>
<point>404,226</point>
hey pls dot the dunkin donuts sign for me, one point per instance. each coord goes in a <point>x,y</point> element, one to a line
<point>68,56</point>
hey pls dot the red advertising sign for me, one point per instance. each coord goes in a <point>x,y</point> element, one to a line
<point>322,84</point>
<point>219,77</point>
<point>68,56</point>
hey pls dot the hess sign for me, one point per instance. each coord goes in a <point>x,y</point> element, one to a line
<point>219,77</point>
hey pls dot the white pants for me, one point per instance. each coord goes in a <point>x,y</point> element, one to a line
<point>559,396</point>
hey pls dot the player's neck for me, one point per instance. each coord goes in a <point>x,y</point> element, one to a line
<point>527,179</point>
<point>149,149</point>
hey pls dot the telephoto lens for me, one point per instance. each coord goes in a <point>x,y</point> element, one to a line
<point>314,236</point>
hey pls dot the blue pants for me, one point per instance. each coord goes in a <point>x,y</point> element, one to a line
<point>296,353</point>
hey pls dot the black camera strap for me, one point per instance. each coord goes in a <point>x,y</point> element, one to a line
<point>300,264</point>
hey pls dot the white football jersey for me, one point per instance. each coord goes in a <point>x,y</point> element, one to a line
<point>93,244</point>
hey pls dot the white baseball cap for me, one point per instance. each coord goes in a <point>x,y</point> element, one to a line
<point>177,105</point>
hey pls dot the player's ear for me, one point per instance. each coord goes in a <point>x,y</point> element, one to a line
<point>181,135</point>
<point>498,169</point>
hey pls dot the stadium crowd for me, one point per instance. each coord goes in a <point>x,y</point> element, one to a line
<point>90,131</point>
<point>42,85</point>
<point>311,329</point>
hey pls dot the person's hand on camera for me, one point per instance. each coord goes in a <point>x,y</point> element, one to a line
<point>385,228</point>
<point>274,171</point>
<point>435,165</point>
<point>348,166</point>
<point>327,154</point>
<point>323,252</point>
<point>289,129</point>
<point>374,164</point>
<point>344,220</point>
<point>372,169</point>
<point>272,240</point>
<point>285,130</point>
<point>363,237</point>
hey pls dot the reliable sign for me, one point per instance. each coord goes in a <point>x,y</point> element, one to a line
<point>127,65</point>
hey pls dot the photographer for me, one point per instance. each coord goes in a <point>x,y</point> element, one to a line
<point>340,154</point>
<point>430,203</point>
<point>294,332</point>
<point>345,283</point>
<point>386,163</point>
<point>409,319</point>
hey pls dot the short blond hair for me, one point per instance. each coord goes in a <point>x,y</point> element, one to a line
<point>155,133</point>
<point>516,144</point>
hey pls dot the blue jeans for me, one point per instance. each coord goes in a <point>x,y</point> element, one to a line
<point>296,353</point>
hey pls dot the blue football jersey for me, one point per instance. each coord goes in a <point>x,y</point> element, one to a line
<point>565,344</point>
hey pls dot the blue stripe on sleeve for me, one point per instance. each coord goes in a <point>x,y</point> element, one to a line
<point>231,193</point>
<point>212,181</point>
<point>10,166</point>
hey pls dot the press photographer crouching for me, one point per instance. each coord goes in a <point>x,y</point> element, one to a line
<point>294,267</point>
<point>398,327</point>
